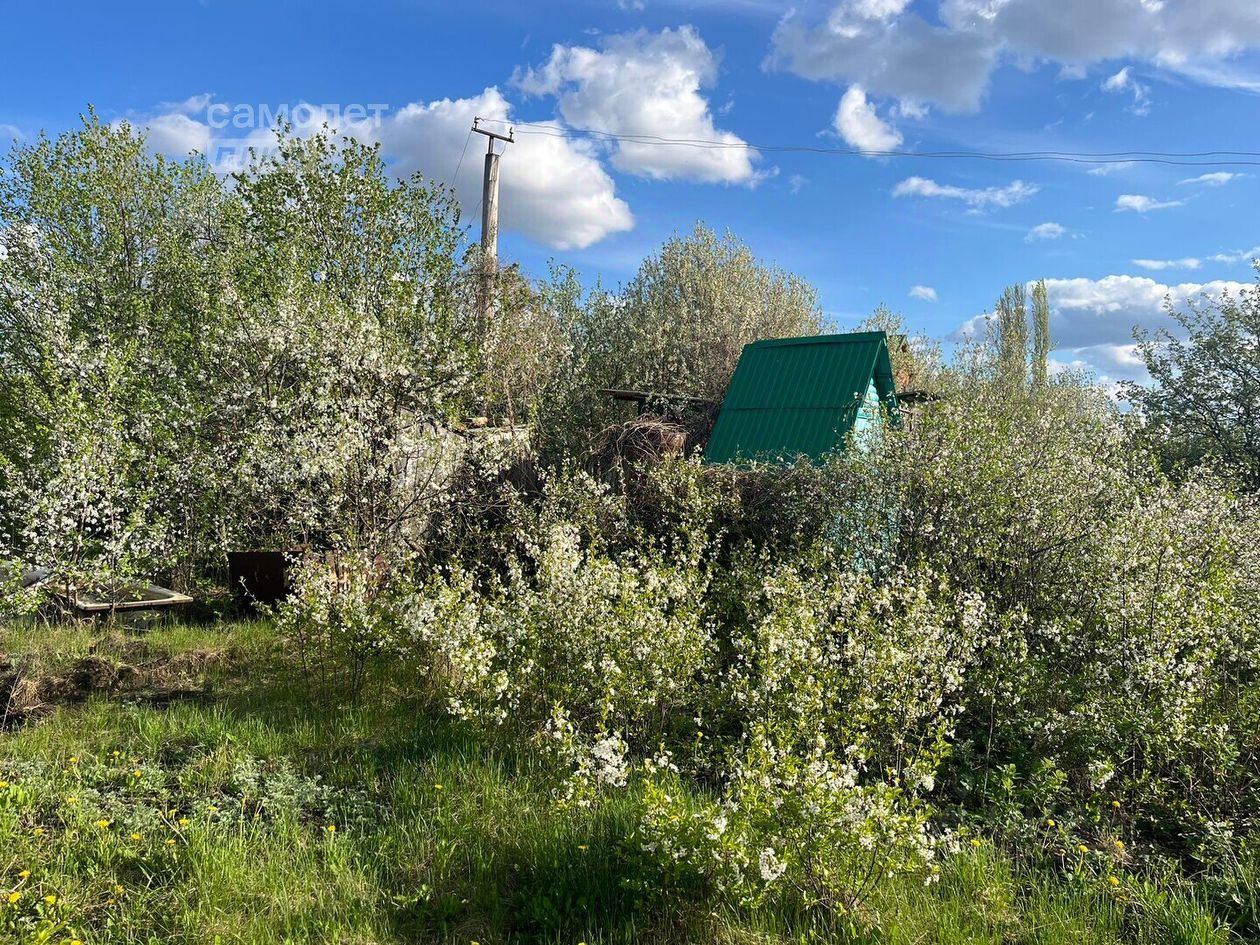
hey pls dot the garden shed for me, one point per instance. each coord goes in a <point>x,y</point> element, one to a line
<point>804,396</point>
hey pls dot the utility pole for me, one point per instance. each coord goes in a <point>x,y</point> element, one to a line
<point>490,218</point>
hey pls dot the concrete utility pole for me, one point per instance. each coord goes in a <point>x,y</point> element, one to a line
<point>489,217</point>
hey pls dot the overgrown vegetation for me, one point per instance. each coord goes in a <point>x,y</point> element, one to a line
<point>997,678</point>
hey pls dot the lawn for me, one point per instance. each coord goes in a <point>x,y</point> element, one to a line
<point>205,791</point>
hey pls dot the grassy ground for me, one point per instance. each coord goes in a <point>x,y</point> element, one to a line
<point>252,807</point>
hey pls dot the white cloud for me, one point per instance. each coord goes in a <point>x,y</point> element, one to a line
<point>10,133</point>
<point>552,189</point>
<point>1214,179</point>
<point>1123,81</point>
<point>1241,256</point>
<point>1189,262</point>
<point>646,84</point>
<point>859,125</point>
<point>1111,167</point>
<point>892,49</point>
<point>1045,231</point>
<point>796,182</point>
<point>1140,203</point>
<point>924,292</point>
<point>1015,192</point>
<point>1092,320</point>
<point>1086,312</point>
<point>176,134</point>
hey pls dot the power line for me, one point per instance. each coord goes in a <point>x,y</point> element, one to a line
<point>1220,158</point>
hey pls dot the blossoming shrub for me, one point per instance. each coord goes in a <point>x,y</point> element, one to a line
<point>837,702</point>
<point>599,655</point>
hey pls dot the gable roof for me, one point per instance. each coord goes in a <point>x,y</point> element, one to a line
<point>799,395</point>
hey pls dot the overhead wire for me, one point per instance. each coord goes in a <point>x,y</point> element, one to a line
<point>1215,158</point>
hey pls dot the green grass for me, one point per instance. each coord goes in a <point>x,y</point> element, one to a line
<point>437,836</point>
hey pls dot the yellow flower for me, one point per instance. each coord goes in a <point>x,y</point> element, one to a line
<point>38,831</point>
<point>975,842</point>
<point>1113,881</point>
<point>118,890</point>
<point>438,786</point>
<point>171,842</point>
<point>1050,823</point>
<point>184,821</point>
<point>1115,804</point>
<point>25,874</point>
<point>331,828</point>
<point>139,774</point>
<point>72,799</point>
<point>583,847</point>
<point>74,760</point>
<point>1119,844</point>
<point>51,900</point>
<point>1081,848</point>
<point>14,897</point>
<point>3,785</point>
<point>135,836</point>
<point>102,823</point>
<point>211,808</point>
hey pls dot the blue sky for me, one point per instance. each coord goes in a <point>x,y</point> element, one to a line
<point>934,238</point>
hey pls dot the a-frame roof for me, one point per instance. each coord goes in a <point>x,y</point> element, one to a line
<point>794,396</point>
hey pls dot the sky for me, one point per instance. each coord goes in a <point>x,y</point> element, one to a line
<point>796,108</point>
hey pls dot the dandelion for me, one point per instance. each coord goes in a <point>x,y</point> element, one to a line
<point>1081,848</point>
<point>1113,881</point>
<point>103,823</point>
<point>135,836</point>
<point>1115,804</point>
<point>583,847</point>
<point>331,828</point>
<point>184,821</point>
<point>437,787</point>
<point>1119,844</point>
<point>975,842</point>
<point>25,874</point>
<point>170,842</point>
<point>38,831</point>
<point>3,785</point>
<point>118,890</point>
<point>14,897</point>
<point>51,900</point>
<point>74,760</point>
<point>1050,823</point>
<point>138,773</point>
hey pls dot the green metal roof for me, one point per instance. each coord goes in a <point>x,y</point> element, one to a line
<point>793,396</point>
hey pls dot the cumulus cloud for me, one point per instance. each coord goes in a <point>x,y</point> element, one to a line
<point>923,292</point>
<point>1214,179</point>
<point>1015,192</point>
<point>1045,231</point>
<point>891,49</point>
<point>1140,203</point>
<point>553,190</point>
<point>1123,82</point>
<point>1089,312</point>
<point>1189,262</point>
<point>1092,320</point>
<point>646,84</point>
<point>858,124</point>
<point>177,134</point>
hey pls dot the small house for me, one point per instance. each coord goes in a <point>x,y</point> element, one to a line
<point>804,396</point>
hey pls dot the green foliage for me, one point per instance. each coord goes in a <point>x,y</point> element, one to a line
<point>1203,403</point>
